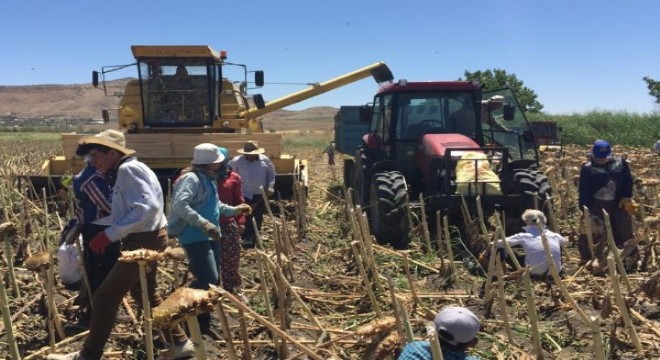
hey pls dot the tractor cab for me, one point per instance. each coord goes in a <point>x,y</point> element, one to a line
<point>547,136</point>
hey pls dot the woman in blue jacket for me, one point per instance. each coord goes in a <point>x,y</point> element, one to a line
<point>194,215</point>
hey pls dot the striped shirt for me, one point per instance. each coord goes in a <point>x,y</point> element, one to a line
<point>93,195</point>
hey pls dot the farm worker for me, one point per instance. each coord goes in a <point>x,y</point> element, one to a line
<point>92,192</point>
<point>457,329</point>
<point>230,191</point>
<point>194,218</point>
<point>257,171</point>
<point>136,221</point>
<point>656,147</point>
<point>532,245</point>
<point>330,150</point>
<point>607,184</point>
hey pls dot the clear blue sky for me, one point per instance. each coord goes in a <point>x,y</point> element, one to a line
<point>576,55</point>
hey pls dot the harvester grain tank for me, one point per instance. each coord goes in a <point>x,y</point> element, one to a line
<point>448,141</point>
<point>181,98</point>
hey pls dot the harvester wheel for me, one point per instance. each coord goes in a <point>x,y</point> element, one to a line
<point>388,206</point>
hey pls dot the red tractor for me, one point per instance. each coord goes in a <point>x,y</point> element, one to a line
<point>546,134</point>
<point>420,133</point>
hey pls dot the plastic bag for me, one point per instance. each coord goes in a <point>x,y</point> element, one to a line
<point>68,263</point>
<point>474,175</point>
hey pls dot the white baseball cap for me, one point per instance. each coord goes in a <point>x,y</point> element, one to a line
<point>461,323</point>
<point>206,153</point>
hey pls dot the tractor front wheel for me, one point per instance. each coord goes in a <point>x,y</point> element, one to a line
<point>388,206</point>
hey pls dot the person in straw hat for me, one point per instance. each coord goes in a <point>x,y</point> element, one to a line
<point>257,171</point>
<point>92,193</point>
<point>136,221</point>
<point>457,329</point>
<point>194,218</point>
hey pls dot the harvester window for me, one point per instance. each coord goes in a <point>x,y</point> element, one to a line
<point>177,94</point>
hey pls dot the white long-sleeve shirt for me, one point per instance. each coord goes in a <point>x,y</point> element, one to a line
<point>533,247</point>
<point>254,174</point>
<point>137,201</point>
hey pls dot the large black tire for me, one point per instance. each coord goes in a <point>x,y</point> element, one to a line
<point>530,181</point>
<point>388,206</point>
<point>349,168</point>
<point>358,180</point>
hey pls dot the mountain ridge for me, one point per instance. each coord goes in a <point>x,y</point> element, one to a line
<point>84,101</point>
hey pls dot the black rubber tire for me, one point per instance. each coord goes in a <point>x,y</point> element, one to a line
<point>388,206</point>
<point>358,179</point>
<point>349,168</point>
<point>529,181</point>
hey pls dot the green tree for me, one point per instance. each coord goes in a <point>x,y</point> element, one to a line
<point>654,88</point>
<point>498,78</point>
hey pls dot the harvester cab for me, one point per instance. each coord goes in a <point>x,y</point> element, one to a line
<point>445,141</point>
<point>183,88</point>
<point>181,97</point>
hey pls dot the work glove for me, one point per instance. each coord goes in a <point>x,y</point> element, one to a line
<point>99,243</point>
<point>270,191</point>
<point>212,231</point>
<point>628,205</point>
<point>244,209</point>
<point>70,232</point>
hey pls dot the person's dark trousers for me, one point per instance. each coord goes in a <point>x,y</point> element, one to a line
<point>98,266</point>
<point>125,277</point>
<point>258,209</point>
<point>203,260</point>
<point>621,221</point>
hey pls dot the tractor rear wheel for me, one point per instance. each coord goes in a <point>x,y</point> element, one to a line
<point>530,181</point>
<point>388,206</point>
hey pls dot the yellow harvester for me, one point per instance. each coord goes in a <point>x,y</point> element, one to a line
<point>181,98</point>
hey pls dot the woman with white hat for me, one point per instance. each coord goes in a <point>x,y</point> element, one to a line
<point>194,217</point>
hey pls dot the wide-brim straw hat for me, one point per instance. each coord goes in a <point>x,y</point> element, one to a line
<point>251,148</point>
<point>112,139</point>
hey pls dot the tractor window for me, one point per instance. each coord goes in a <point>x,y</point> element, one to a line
<point>177,93</point>
<point>434,113</point>
<point>516,133</point>
<point>382,118</point>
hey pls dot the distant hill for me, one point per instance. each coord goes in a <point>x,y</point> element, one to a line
<point>83,101</point>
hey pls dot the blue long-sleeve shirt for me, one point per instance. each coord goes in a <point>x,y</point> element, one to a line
<point>254,174</point>
<point>594,177</point>
<point>421,350</point>
<point>93,195</point>
<point>190,193</point>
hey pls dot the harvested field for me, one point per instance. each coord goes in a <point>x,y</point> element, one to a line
<point>321,288</point>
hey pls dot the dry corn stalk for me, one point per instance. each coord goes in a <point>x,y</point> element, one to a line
<point>377,326</point>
